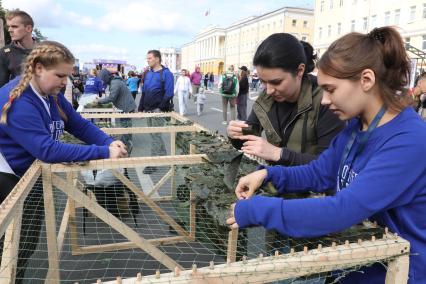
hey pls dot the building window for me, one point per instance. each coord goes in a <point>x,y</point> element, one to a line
<point>305,24</point>
<point>387,18</point>
<point>412,13</point>
<point>322,6</point>
<point>294,22</point>
<point>329,31</point>
<point>331,4</point>
<point>341,3</point>
<point>352,25</point>
<point>373,22</point>
<point>339,28</point>
<point>397,14</point>
<point>424,10</point>
<point>320,33</point>
<point>424,42</point>
<point>364,23</point>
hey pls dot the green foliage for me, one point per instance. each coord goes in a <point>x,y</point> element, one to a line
<point>3,17</point>
<point>38,36</point>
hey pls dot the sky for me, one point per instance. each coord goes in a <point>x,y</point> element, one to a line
<point>127,29</point>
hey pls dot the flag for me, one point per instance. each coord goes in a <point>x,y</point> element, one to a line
<point>207,12</point>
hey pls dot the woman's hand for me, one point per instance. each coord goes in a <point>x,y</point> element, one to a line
<point>259,147</point>
<point>231,220</point>
<point>248,184</point>
<point>234,129</point>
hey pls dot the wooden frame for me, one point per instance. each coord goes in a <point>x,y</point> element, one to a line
<point>262,269</point>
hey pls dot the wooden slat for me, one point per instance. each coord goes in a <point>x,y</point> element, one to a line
<point>127,115</point>
<point>9,208</point>
<point>128,245</point>
<point>398,270</point>
<point>9,257</point>
<point>115,223</point>
<point>274,268</point>
<point>49,209</point>
<point>148,130</point>
<point>151,204</point>
<point>231,255</point>
<point>133,162</point>
<point>161,182</point>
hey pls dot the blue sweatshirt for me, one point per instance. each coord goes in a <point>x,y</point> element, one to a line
<point>132,83</point>
<point>387,184</point>
<point>93,85</point>
<point>33,133</point>
<point>154,96</point>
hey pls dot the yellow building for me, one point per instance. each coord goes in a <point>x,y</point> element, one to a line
<point>214,48</point>
<point>334,18</point>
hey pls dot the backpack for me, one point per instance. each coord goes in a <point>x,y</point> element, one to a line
<point>228,85</point>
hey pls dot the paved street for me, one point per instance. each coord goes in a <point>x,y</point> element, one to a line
<point>212,115</point>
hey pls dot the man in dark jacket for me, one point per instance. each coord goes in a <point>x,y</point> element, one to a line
<point>20,26</point>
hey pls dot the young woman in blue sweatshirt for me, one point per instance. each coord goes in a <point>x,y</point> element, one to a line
<point>34,115</point>
<point>374,164</point>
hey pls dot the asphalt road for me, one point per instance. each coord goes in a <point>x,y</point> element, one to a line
<point>212,114</point>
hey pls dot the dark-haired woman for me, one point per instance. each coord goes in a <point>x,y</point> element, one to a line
<point>289,110</point>
<point>374,164</point>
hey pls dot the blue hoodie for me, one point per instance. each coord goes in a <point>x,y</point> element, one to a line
<point>32,133</point>
<point>93,85</point>
<point>387,184</point>
<point>153,95</point>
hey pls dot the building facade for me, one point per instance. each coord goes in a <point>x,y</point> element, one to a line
<point>215,48</point>
<point>170,57</point>
<point>334,18</point>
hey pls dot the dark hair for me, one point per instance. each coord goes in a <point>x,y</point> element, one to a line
<point>25,17</point>
<point>382,50</point>
<point>282,50</point>
<point>420,77</point>
<point>156,53</point>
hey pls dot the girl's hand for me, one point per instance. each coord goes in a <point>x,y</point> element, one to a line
<point>248,184</point>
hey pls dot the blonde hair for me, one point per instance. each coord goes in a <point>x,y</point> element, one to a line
<point>47,53</point>
<point>93,72</point>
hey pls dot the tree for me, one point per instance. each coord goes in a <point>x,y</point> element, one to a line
<point>38,36</point>
<point>3,18</point>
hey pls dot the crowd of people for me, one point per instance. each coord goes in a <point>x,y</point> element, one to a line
<point>353,131</point>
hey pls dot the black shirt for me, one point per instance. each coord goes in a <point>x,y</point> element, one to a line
<point>11,59</point>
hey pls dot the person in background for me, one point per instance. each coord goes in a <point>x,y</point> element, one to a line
<point>105,76</point>
<point>195,79</point>
<point>201,100</point>
<point>297,127</point>
<point>157,96</point>
<point>242,94</point>
<point>158,87</point>
<point>419,95</point>
<point>228,87</point>
<point>206,80</point>
<point>93,84</point>
<point>133,84</point>
<point>34,116</point>
<point>20,27</point>
<point>211,81</point>
<point>373,164</point>
<point>183,90</point>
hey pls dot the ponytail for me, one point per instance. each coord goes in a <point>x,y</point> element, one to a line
<point>382,50</point>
